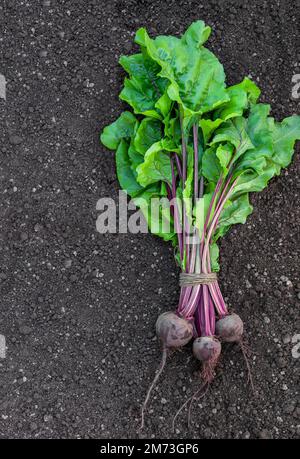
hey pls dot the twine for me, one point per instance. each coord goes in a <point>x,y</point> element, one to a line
<point>186,279</point>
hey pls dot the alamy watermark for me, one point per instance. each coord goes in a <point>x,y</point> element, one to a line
<point>138,215</point>
<point>296,347</point>
<point>2,347</point>
<point>2,87</point>
<point>296,86</point>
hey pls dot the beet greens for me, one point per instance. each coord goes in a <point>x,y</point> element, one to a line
<point>204,147</point>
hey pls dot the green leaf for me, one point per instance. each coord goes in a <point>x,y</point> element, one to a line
<point>164,104</point>
<point>261,138</point>
<point>208,126</point>
<point>197,34</point>
<point>200,211</point>
<point>148,132</point>
<point>251,181</point>
<point>235,212</point>
<point>163,189</point>
<point>241,96</point>
<point>250,160</point>
<point>145,87</point>
<point>252,90</point>
<point>258,128</point>
<point>172,129</point>
<point>284,136</point>
<point>135,157</point>
<point>124,171</point>
<point>224,154</point>
<point>214,257</point>
<point>211,168</point>
<point>235,107</point>
<point>122,128</point>
<point>197,78</point>
<point>156,166</point>
<point>234,131</point>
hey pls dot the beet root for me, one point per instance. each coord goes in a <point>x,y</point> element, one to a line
<point>207,349</point>
<point>230,328</point>
<point>173,331</point>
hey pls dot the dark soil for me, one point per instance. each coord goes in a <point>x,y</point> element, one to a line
<point>78,308</point>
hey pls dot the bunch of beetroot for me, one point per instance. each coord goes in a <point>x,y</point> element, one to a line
<point>203,147</point>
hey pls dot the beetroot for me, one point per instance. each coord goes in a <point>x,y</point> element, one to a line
<point>173,331</point>
<point>230,328</point>
<point>206,348</point>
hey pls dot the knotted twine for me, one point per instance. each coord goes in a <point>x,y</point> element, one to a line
<point>191,279</point>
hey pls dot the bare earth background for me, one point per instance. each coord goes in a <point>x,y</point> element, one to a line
<point>78,308</point>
